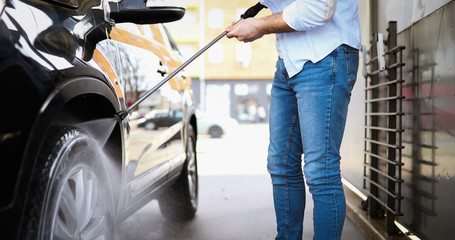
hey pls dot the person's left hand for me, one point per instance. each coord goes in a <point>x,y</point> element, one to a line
<point>246,30</point>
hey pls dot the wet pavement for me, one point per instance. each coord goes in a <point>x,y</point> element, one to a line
<point>235,196</point>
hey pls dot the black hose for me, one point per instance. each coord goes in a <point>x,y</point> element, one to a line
<point>253,11</point>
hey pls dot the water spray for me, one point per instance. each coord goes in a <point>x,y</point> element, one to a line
<point>250,12</point>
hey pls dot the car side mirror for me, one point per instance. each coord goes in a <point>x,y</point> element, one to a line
<point>146,11</point>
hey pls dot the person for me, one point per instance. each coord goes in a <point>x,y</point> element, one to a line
<point>317,43</point>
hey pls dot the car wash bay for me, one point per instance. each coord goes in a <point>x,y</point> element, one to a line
<point>235,196</point>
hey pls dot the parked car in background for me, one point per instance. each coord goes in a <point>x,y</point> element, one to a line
<point>69,169</point>
<point>159,118</point>
<point>215,125</point>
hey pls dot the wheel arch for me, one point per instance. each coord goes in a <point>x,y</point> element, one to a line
<point>78,97</point>
<point>193,122</point>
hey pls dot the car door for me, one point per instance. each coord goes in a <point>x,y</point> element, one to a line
<point>150,154</point>
<point>175,90</point>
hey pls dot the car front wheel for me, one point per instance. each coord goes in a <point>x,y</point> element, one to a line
<point>70,194</point>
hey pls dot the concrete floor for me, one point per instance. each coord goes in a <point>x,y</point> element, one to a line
<point>230,207</point>
<point>235,196</point>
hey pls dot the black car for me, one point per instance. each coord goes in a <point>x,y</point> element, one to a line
<point>70,170</point>
<point>158,118</point>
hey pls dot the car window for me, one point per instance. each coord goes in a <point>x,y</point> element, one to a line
<point>148,33</point>
<point>169,40</point>
<point>131,27</point>
<point>160,115</point>
<point>177,114</point>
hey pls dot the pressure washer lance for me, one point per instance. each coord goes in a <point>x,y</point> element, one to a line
<point>250,12</point>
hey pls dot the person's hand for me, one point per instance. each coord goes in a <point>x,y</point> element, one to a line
<point>250,29</point>
<point>246,30</point>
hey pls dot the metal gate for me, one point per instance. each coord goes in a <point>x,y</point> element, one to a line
<point>383,127</point>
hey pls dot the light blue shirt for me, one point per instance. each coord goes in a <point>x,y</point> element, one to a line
<point>321,26</point>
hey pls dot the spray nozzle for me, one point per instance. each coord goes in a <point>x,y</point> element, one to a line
<point>120,116</point>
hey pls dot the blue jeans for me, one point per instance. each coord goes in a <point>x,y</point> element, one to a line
<point>307,116</point>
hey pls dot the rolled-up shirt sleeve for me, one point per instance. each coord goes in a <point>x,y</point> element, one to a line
<point>305,15</point>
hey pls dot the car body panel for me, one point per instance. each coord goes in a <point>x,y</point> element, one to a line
<point>107,68</point>
<point>148,154</point>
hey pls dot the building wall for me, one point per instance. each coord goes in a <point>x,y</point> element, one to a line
<point>231,59</point>
<point>187,33</point>
<point>234,75</point>
<point>352,145</point>
<point>414,11</point>
<point>427,30</point>
<point>429,172</point>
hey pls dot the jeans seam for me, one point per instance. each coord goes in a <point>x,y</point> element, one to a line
<point>327,152</point>
<point>329,110</point>
<point>288,149</point>
<point>334,66</point>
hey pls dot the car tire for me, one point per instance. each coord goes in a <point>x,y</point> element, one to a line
<point>150,126</point>
<point>215,132</point>
<point>179,203</point>
<point>70,194</point>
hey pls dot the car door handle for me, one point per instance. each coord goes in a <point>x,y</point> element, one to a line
<point>162,69</point>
